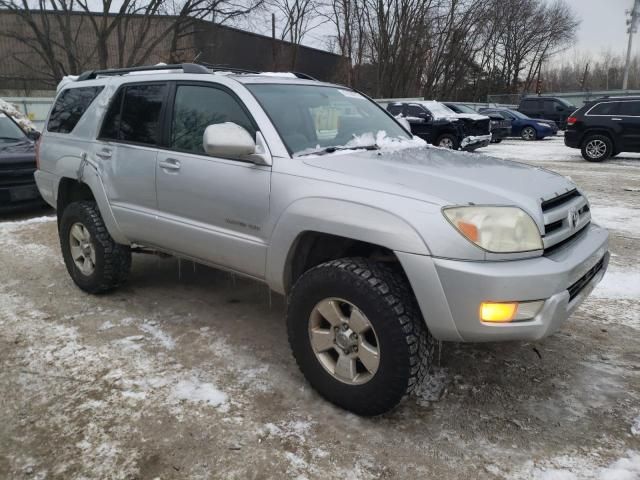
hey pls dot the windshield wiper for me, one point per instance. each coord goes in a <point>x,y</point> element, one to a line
<point>12,139</point>
<point>325,150</point>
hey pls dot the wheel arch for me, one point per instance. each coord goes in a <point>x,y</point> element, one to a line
<point>310,232</point>
<point>598,131</point>
<point>85,184</point>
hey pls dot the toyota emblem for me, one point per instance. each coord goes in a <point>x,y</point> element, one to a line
<point>573,217</point>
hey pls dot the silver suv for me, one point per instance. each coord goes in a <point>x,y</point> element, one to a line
<point>381,243</point>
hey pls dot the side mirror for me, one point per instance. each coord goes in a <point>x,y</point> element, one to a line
<point>228,140</point>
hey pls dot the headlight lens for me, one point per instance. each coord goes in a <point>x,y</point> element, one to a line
<point>496,229</point>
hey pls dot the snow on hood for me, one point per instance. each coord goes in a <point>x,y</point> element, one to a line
<point>380,140</point>
<point>13,112</point>
<point>471,116</point>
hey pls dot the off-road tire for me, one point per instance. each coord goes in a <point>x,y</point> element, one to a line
<point>525,134</point>
<point>603,140</point>
<point>384,295</point>
<point>450,138</point>
<point>113,261</point>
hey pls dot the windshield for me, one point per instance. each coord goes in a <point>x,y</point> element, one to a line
<point>518,114</point>
<point>311,118</point>
<point>9,131</point>
<point>465,109</point>
<point>439,110</point>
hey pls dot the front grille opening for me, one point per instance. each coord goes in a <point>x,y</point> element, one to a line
<point>577,287</point>
<point>559,200</point>
<point>558,245</point>
<point>552,227</point>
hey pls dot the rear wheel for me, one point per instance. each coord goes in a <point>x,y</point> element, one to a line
<point>357,334</point>
<point>447,141</point>
<point>597,148</point>
<point>528,133</point>
<point>95,262</point>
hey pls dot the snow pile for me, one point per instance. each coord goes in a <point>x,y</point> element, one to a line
<point>158,334</point>
<point>622,219</point>
<point>17,115</point>
<point>635,427</point>
<point>384,142</point>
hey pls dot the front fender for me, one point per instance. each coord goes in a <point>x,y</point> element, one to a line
<point>341,218</point>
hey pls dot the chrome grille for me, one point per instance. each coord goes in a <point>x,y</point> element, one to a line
<point>565,216</point>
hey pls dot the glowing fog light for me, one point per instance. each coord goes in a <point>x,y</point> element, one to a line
<point>504,312</point>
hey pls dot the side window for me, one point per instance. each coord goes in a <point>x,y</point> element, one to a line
<point>631,109</point>
<point>395,110</point>
<point>196,107</point>
<point>69,108</point>
<point>134,114</point>
<point>530,104</point>
<point>415,111</point>
<point>549,106</point>
<point>607,108</point>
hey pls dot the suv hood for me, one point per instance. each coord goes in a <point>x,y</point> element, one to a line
<point>444,177</point>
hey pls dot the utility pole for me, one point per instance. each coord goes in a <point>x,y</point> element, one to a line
<point>633,28</point>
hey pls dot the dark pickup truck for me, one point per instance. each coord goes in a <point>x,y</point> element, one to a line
<point>17,164</point>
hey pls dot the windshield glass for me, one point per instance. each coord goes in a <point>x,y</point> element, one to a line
<point>517,114</point>
<point>439,110</point>
<point>9,131</point>
<point>465,109</point>
<point>310,118</point>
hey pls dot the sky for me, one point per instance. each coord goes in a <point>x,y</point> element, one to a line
<point>603,26</point>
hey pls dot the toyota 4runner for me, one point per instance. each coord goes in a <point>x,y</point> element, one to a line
<point>381,243</point>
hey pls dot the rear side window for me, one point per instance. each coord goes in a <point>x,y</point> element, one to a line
<point>415,111</point>
<point>631,109</point>
<point>134,114</point>
<point>608,108</point>
<point>530,104</point>
<point>69,108</point>
<point>197,107</point>
<point>395,109</point>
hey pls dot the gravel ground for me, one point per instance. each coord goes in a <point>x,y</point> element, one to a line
<point>186,373</point>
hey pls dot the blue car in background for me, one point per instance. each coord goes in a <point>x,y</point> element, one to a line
<point>523,126</point>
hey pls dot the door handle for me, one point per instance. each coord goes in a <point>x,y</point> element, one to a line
<point>104,154</point>
<point>170,164</point>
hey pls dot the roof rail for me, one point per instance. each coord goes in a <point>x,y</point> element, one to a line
<point>185,67</point>
<point>216,67</point>
<point>304,76</point>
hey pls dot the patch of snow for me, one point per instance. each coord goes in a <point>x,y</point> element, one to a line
<point>278,74</point>
<point>28,221</point>
<point>622,219</point>
<point>619,284</point>
<point>635,427</point>
<point>158,335</point>
<point>567,467</point>
<point>106,326</point>
<point>196,391</point>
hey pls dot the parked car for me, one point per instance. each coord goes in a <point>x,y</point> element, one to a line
<point>553,108</point>
<point>381,244</point>
<point>500,126</point>
<point>437,124</point>
<point>17,164</point>
<point>605,127</point>
<point>523,126</point>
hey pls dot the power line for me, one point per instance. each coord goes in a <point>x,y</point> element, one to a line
<point>632,28</point>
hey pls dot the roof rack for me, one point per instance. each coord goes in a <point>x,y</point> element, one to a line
<point>185,67</point>
<point>216,67</point>
<point>304,76</point>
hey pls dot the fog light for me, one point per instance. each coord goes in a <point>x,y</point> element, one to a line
<point>504,312</point>
<point>498,312</point>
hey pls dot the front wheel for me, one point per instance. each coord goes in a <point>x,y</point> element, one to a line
<point>596,148</point>
<point>528,133</point>
<point>357,334</point>
<point>447,141</point>
<point>95,262</point>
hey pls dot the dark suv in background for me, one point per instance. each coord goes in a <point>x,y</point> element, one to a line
<point>605,127</point>
<point>17,164</point>
<point>500,126</point>
<point>552,108</point>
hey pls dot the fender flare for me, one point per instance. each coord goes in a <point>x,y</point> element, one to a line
<point>336,217</point>
<point>85,171</point>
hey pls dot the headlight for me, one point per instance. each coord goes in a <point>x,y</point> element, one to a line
<point>544,124</point>
<point>496,229</point>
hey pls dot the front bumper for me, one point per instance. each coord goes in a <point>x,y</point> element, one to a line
<point>450,292</point>
<point>498,133</point>
<point>572,139</point>
<point>19,197</point>
<point>473,142</point>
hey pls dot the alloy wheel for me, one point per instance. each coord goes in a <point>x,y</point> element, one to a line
<point>344,341</point>
<point>83,251</point>
<point>596,149</point>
